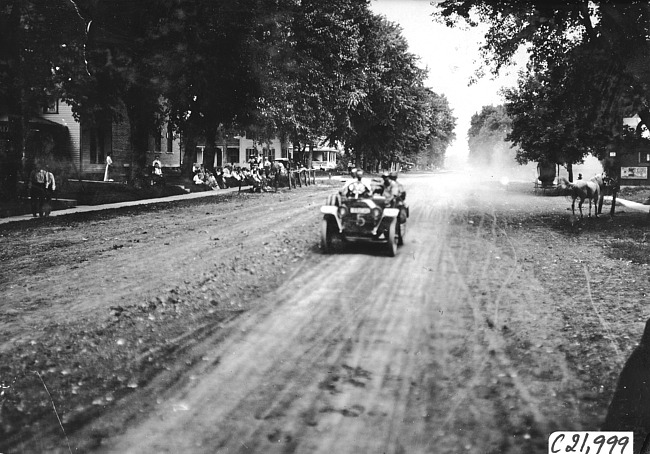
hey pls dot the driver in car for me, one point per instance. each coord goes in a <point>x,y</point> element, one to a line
<point>356,188</point>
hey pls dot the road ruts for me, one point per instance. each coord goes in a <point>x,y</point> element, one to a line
<point>365,353</point>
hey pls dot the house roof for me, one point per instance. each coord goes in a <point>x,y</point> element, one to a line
<point>35,121</point>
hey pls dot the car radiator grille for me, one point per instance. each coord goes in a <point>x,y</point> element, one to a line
<point>358,223</point>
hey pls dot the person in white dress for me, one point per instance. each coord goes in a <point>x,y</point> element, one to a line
<point>109,163</point>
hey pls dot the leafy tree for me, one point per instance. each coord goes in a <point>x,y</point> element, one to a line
<point>129,62</point>
<point>299,68</point>
<point>343,73</point>
<point>584,70</point>
<point>40,47</point>
<point>394,117</point>
<point>219,59</point>
<point>557,114</point>
<point>441,124</point>
<point>313,70</point>
<point>193,63</point>
<point>487,137</point>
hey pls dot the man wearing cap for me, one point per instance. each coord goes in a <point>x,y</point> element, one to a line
<point>400,188</point>
<point>356,188</point>
<point>401,197</point>
<point>391,190</point>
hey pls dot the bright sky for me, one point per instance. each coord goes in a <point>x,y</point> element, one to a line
<point>452,57</point>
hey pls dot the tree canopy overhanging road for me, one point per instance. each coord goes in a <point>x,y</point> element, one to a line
<point>496,324</point>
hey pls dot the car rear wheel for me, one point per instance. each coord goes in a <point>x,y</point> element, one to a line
<point>392,238</point>
<point>326,232</point>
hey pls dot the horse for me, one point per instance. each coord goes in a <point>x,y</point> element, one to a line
<point>582,189</point>
<point>601,180</point>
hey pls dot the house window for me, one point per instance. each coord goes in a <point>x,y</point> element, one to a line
<point>218,157</point>
<point>232,155</point>
<point>52,106</point>
<point>99,142</point>
<point>250,152</point>
<point>158,141</point>
<point>271,154</point>
<point>170,138</point>
<point>199,154</point>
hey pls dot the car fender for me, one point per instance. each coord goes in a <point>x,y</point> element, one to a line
<point>391,212</point>
<point>329,209</point>
<point>387,217</point>
<point>332,210</point>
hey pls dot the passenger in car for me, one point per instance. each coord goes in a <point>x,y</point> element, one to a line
<point>402,191</point>
<point>391,190</point>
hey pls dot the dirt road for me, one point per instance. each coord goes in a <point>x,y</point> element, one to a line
<point>473,339</point>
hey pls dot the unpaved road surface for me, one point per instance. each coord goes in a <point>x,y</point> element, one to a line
<point>497,323</point>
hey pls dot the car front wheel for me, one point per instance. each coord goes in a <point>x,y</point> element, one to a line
<point>326,232</point>
<point>401,233</point>
<point>391,236</point>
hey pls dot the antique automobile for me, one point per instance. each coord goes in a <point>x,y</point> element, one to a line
<point>362,219</point>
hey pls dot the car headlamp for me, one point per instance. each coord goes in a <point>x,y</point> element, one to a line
<point>376,213</point>
<point>342,211</point>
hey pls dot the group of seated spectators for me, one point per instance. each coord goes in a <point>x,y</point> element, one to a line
<point>262,165</point>
<point>232,177</point>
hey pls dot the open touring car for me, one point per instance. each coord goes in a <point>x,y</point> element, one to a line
<point>363,219</point>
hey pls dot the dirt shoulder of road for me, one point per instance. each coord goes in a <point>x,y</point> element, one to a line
<point>103,308</point>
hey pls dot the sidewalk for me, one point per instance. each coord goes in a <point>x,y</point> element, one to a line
<point>629,204</point>
<point>109,206</point>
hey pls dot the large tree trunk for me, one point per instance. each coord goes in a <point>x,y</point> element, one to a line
<point>13,164</point>
<point>189,153</point>
<point>310,155</point>
<point>614,193</point>
<point>210,149</point>
<point>139,137</point>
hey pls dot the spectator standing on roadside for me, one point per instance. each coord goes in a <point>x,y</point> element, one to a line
<point>36,185</point>
<point>157,166</point>
<point>267,167</point>
<point>157,170</point>
<point>109,163</point>
<point>50,187</point>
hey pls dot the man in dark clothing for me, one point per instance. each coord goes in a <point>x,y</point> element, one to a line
<point>37,182</point>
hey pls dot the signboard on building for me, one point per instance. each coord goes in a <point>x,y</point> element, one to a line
<point>634,173</point>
